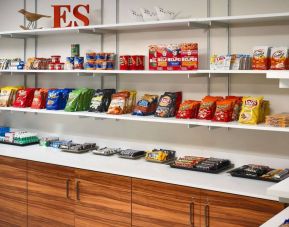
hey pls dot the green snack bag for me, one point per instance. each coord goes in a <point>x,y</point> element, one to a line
<point>81,99</point>
<point>73,101</point>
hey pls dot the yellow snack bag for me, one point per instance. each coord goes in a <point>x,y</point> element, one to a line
<point>251,110</point>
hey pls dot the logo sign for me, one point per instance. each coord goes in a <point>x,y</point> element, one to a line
<point>61,12</point>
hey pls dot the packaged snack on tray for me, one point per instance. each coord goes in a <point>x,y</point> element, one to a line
<point>188,109</point>
<point>188,161</point>
<point>189,55</point>
<point>278,120</point>
<point>260,59</point>
<point>167,105</point>
<point>251,108</point>
<point>208,107</point>
<point>24,97</point>
<point>147,105</point>
<point>40,99</point>
<point>224,110</point>
<point>279,58</point>
<point>119,103</point>
<point>160,155</point>
<point>131,154</point>
<point>101,100</point>
<point>106,151</point>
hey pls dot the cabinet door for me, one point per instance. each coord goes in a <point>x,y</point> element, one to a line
<point>160,204</point>
<point>227,210</point>
<point>102,200</point>
<point>13,192</point>
<point>50,202</point>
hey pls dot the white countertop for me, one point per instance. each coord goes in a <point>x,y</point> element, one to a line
<point>142,169</point>
<point>280,190</point>
<point>278,219</point>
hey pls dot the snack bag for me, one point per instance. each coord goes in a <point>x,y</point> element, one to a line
<point>208,107</point>
<point>54,99</point>
<point>7,96</point>
<point>101,100</point>
<point>250,110</point>
<point>260,59</point>
<point>279,58</point>
<point>224,110</point>
<point>237,106</point>
<point>167,105</point>
<point>188,109</point>
<point>264,111</point>
<point>40,99</point>
<point>118,103</point>
<point>213,59</point>
<point>147,105</point>
<point>190,57</point>
<point>24,98</point>
<point>73,101</point>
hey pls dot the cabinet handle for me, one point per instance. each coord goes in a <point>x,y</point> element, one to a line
<point>67,188</point>
<point>192,214</point>
<point>207,216</point>
<point>77,190</point>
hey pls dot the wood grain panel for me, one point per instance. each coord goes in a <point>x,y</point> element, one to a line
<point>13,192</point>
<point>160,204</point>
<point>48,204</point>
<point>229,210</point>
<point>104,200</point>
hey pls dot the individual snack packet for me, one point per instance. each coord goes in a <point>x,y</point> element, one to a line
<point>237,106</point>
<point>7,96</point>
<point>167,105</point>
<point>131,102</point>
<point>54,99</point>
<point>101,100</point>
<point>250,110</point>
<point>224,110</point>
<point>260,59</point>
<point>147,105</point>
<point>264,111</point>
<point>118,103</point>
<point>188,109</point>
<point>208,107</point>
<point>279,58</point>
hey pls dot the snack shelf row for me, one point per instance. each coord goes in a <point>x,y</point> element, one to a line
<point>205,22</point>
<point>271,74</point>
<point>128,117</point>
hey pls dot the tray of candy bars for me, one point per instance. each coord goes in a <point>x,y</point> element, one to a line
<point>161,156</point>
<point>131,154</point>
<point>19,144</point>
<point>260,172</point>
<point>106,151</point>
<point>78,148</point>
<point>201,164</point>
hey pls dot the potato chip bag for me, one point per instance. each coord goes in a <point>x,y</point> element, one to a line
<point>251,110</point>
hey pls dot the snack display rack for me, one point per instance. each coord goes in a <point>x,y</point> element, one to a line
<point>205,23</point>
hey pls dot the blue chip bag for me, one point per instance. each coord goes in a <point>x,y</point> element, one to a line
<point>54,99</point>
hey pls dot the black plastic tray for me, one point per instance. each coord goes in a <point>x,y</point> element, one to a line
<point>162,162</point>
<point>133,158</point>
<point>234,174</point>
<point>223,168</point>
<point>111,154</point>
<point>76,151</point>
<point>18,144</point>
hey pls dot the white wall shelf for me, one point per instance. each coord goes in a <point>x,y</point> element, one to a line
<point>129,117</point>
<point>206,22</point>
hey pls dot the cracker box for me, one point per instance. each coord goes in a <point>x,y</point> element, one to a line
<point>279,58</point>
<point>174,57</point>
<point>162,57</point>
<point>189,55</point>
<point>153,57</point>
<point>260,59</point>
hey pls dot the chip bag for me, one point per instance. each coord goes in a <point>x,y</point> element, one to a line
<point>251,108</point>
<point>24,98</point>
<point>188,109</point>
<point>147,105</point>
<point>279,58</point>
<point>167,105</point>
<point>73,101</point>
<point>260,59</point>
<point>208,107</point>
<point>101,100</point>
<point>118,103</point>
<point>224,110</point>
<point>40,99</point>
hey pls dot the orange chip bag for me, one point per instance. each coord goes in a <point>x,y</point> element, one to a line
<point>251,110</point>
<point>279,58</point>
<point>260,59</point>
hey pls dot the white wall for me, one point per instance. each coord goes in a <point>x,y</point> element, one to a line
<point>264,144</point>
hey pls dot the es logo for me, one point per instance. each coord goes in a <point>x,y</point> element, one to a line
<point>61,11</point>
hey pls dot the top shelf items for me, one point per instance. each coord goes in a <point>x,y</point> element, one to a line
<point>155,25</point>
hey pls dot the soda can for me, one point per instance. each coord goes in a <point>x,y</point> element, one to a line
<point>124,62</point>
<point>75,49</point>
<point>140,62</point>
<point>133,62</point>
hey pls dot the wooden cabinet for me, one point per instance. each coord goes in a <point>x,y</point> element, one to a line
<point>160,204</point>
<point>227,210</point>
<point>50,195</point>
<point>102,200</point>
<point>13,192</point>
